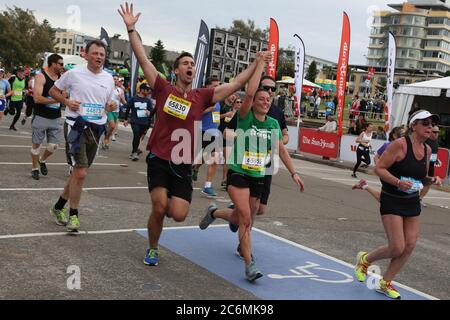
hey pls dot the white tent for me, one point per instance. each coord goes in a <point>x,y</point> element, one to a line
<point>405,96</point>
<point>305,82</point>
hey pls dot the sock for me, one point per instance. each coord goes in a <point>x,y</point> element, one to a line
<point>60,204</point>
<point>212,214</point>
<point>208,184</point>
<point>41,161</point>
<point>73,212</point>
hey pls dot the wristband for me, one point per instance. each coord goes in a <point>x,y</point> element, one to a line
<point>130,31</point>
<point>295,173</point>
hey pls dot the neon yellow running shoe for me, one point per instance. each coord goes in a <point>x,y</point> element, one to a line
<point>388,290</point>
<point>361,266</point>
<point>60,216</point>
<point>73,223</point>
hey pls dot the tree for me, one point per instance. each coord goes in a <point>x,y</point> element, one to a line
<point>285,66</point>
<point>447,73</point>
<point>23,38</point>
<point>312,72</point>
<point>158,56</point>
<point>248,29</point>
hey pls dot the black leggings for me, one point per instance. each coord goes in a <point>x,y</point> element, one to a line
<point>17,105</point>
<point>362,152</point>
<point>138,131</point>
<point>30,106</point>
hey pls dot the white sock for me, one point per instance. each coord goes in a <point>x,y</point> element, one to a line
<point>208,184</point>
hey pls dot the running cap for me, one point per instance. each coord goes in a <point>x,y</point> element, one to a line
<point>423,114</point>
<point>2,70</point>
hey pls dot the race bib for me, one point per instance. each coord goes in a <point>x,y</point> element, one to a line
<point>91,111</point>
<point>253,161</point>
<point>17,92</point>
<point>216,117</point>
<point>433,157</point>
<point>177,107</point>
<point>416,187</point>
<point>141,113</point>
<point>53,105</point>
<point>227,119</point>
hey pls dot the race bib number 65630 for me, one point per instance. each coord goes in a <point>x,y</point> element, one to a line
<point>177,107</point>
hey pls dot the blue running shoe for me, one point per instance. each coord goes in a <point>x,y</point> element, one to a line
<point>151,257</point>
<point>233,227</point>
<point>209,192</point>
<point>208,218</point>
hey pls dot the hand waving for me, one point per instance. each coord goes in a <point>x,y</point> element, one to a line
<point>127,15</point>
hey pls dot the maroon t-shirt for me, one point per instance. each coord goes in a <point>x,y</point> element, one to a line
<point>174,111</point>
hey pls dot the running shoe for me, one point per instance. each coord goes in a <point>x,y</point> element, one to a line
<point>361,266</point>
<point>35,174</point>
<point>151,257</point>
<point>134,157</point>
<point>239,254</point>
<point>113,138</point>
<point>208,218</point>
<point>139,151</point>
<point>209,192</point>
<point>233,227</point>
<point>251,272</point>
<point>354,175</point>
<point>12,128</point>
<point>43,167</point>
<point>194,174</point>
<point>73,224</point>
<point>388,290</point>
<point>60,216</point>
<point>362,184</point>
<point>69,172</point>
<point>23,121</point>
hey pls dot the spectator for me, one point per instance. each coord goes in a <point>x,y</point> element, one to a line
<point>354,111</point>
<point>329,107</point>
<point>330,125</point>
<point>360,123</point>
<point>380,134</point>
<point>352,128</point>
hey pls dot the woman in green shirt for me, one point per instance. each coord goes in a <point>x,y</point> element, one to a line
<point>252,152</point>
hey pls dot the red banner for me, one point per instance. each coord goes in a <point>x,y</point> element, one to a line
<point>319,143</point>
<point>273,47</point>
<point>341,77</point>
<point>441,165</point>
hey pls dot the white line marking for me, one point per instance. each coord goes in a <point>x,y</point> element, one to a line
<point>64,164</point>
<point>84,189</point>
<point>28,136</point>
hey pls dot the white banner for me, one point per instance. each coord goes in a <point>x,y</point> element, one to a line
<point>299,69</point>
<point>390,79</point>
<point>349,145</point>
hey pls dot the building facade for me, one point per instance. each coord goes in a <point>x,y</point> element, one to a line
<point>230,54</point>
<point>422,31</point>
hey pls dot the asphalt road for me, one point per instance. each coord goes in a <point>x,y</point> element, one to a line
<point>35,253</point>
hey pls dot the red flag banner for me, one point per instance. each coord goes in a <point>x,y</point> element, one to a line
<point>273,47</point>
<point>342,67</point>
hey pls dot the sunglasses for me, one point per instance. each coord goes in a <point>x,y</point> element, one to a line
<point>269,88</point>
<point>435,131</point>
<point>426,122</point>
<point>238,102</point>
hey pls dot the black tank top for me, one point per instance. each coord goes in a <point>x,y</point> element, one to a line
<point>409,167</point>
<point>49,111</point>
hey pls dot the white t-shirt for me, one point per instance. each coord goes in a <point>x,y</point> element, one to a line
<point>93,90</point>
<point>118,91</point>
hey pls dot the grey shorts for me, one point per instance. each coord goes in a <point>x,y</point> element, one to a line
<point>43,127</point>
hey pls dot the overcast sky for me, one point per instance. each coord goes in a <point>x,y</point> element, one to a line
<point>176,22</point>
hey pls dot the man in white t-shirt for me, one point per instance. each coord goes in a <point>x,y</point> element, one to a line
<point>91,93</point>
<point>113,117</point>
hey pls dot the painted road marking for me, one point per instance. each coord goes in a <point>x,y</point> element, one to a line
<point>60,189</point>
<point>65,164</point>
<point>318,276</point>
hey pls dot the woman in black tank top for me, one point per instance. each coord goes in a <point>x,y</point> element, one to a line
<point>403,170</point>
